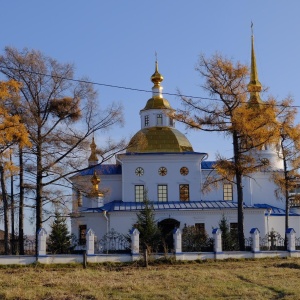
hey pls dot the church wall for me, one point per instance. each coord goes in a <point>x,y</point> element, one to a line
<point>151,178</point>
<point>111,186</point>
<point>263,190</point>
<point>122,222</point>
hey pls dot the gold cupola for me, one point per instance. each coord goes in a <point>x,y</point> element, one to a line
<point>158,133</point>
<point>254,86</point>
<point>93,159</point>
<point>156,78</point>
<point>95,180</point>
<point>157,101</point>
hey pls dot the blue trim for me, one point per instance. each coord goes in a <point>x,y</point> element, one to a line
<point>219,252</point>
<point>253,230</point>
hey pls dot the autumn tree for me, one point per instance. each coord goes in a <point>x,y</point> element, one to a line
<point>12,131</point>
<point>249,123</point>
<point>60,114</point>
<point>287,181</point>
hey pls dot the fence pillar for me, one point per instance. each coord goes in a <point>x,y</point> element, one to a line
<point>42,242</point>
<point>177,237</point>
<point>90,242</point>
<point>255,240</point>
<point>135,241</point>
<point>291,239</point>
<point>217,234</point>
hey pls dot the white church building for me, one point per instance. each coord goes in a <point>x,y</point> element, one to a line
<point>161,161</point>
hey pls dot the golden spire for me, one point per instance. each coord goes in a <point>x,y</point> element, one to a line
<point>93,159</point>
<point>156,78</point>
<point>254,86</point>
<point>95,186</point>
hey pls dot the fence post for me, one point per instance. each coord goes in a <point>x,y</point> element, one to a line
<point>90,242</point>
<point>291,239</point>
<point>177,237</point>
<point>42,242</point>
<point>135,241</point>
<point>255,240</point>
<point>217,234</point>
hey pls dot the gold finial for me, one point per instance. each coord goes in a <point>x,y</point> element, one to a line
<point>254,86</point>
<point>93,157</point>
<point>156,78</point>
<point>95,183</point>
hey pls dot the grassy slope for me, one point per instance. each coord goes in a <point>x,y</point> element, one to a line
<point>246,279</point>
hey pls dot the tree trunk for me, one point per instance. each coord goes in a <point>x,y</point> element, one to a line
<point>12,213</point>
<point>21,204</point>
<point>5,207</point>
<point>39,189</point>
<point>239,186</point>
<point>287,206</point>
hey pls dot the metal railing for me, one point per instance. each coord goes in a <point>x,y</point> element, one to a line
<point>113,242</point>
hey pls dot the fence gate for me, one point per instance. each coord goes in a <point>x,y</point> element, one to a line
<point>113,242</point>
<point>272,241</point>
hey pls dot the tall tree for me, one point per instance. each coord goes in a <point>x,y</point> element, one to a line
<point>249,124</point>
<point>60,114</point>
<point>12,131</point>
<point>289,146</point>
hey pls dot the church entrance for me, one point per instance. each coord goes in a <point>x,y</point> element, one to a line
<point>167,226</point>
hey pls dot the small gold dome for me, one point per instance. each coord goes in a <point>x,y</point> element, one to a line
<point>159,139</point>
<point>93,157</point>
<point>157,78</point>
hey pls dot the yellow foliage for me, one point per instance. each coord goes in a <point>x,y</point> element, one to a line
<point>12,131</point>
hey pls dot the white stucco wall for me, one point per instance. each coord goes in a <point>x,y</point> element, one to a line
<point>151,179</point>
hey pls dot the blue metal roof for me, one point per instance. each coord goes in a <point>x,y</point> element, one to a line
<point>207,165</point>
<point>274,211</point>
<point>175,205</point>
<point>102,169</point>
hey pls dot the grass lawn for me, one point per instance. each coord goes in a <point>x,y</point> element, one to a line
<point>239,279</point>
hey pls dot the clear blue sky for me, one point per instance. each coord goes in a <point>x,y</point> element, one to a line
<point>114,42</point>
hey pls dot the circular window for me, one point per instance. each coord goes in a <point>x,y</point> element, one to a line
<point>162,171</point>
<point>139,171</point>
<point>265,161</point>
<point>184,171</point>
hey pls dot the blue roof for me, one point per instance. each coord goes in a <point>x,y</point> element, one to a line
<point>274,211</point>
<point>207,165</point>
<point>102,169</point>
<point>174,205</point>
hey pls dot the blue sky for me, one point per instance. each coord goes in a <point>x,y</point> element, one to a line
<point>114,42</point>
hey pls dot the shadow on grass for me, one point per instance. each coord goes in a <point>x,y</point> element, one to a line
<point>280,294</point>
<point>288,266</point>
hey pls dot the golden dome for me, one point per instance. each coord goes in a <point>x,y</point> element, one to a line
<point>157,102</point>
<point>157,78</point>
<point>159,139</point>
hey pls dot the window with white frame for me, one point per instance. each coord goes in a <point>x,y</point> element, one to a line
<point>227,192</point>
<point>162,193</point>
<point>139,193</point>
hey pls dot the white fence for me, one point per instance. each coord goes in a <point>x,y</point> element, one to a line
<point>90,257</point>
